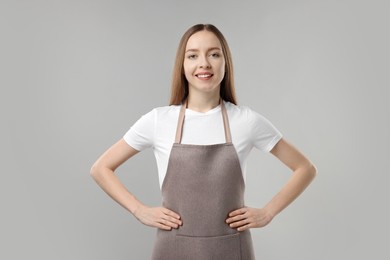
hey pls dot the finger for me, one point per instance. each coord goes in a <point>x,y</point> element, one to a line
<point>170,213</point>
<point>172,219</point>
<point>168,223</point>
<point>162,226</point>
<point>245,227</point>
<point>236,218</point>
<point>237,212</point>
<point>239,223</point>
<point>172,216</point>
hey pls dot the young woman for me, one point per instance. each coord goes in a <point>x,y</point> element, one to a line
<point>201,142</point>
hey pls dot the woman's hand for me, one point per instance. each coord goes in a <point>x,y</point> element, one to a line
<point>246,218</point>
<point>158,217</point>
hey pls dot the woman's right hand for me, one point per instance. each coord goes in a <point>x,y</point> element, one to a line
<point>158,217</point>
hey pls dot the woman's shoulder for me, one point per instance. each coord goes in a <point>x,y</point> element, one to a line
<point>166,110</point>
<point>244,112</point>
<point>163,109</point>
<point>162,113</point>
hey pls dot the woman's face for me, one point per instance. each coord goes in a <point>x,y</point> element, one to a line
<point>204,63</point>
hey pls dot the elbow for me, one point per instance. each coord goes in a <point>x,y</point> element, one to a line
<point>94,171</point>
<point>312,171</point>
<point>98,171</point>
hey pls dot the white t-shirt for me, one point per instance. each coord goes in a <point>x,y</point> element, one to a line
<point>157,129</point>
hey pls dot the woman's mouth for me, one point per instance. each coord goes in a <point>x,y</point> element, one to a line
<point>204,76</point>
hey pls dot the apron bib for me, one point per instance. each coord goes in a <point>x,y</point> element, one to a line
<point>203,184</point>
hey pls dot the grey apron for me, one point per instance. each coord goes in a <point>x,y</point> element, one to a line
<point>203,184</point>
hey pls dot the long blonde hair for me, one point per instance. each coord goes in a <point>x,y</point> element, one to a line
<point>179,89</point>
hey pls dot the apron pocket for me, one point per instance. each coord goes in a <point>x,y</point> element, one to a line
<point>225,247</point>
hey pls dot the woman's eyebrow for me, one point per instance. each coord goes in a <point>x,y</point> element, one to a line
<point>210,49</point>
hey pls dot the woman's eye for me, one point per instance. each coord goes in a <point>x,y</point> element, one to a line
<point>215,55</point>
<point>191,56</point>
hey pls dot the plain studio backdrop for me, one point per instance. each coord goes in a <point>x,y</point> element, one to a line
<point>75,75</point>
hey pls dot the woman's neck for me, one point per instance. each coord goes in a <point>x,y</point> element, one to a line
<point>202,102</point>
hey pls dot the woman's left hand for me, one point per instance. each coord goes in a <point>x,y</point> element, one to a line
<point>246,218</point>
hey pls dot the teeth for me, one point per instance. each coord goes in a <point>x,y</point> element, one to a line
<point>204,75</point>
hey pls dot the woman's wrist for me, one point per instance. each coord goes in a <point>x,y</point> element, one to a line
<point>270,212</point>
<point>135,207</point>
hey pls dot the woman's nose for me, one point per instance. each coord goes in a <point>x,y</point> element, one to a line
<point>204,63</point>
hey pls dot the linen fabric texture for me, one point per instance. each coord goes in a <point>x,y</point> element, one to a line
<point>203,184</point>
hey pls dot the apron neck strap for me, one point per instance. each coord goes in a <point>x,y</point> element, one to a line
<point>180,122</point>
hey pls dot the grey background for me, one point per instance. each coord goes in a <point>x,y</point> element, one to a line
<point>75,75</point>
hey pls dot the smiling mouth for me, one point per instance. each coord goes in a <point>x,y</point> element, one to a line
<point>204,76</point>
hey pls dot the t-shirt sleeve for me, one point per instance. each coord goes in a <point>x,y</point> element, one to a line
<point>264,134</point>
<point>141,134</point>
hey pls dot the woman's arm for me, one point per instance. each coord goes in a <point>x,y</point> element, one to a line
<point>303,173</point>
<point>103,172</point>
